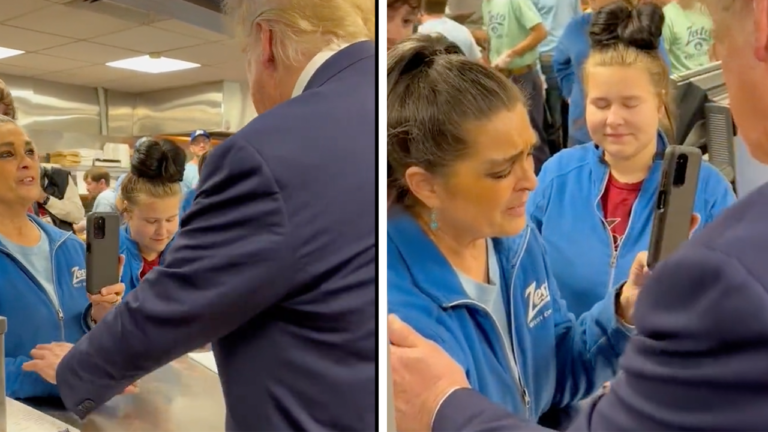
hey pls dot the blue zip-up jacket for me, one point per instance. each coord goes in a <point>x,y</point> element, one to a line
<point>32,317</point>
<point>133,260</point>
<point>570,55</point>
<point>560,359</point>
<point>566,209</point>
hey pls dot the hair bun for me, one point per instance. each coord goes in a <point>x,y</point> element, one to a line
<point>161,161</point>
<point>418,52</point>
<point>639,27</point>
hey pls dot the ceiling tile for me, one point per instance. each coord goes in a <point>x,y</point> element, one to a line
<point>19,71</point>
<point>147,39</point>
<point>42,62</point>
<point>26,40</point>
<point>90,52</point>
<point>67,78</point>
<point>180,27</point>
<point>94,75</point>
<point>167,80</point>
<point>13,8</point>
<point>207,54</point>
<point>70,22</point>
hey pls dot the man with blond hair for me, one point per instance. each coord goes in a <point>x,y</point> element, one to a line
<point>275,261</point>
<point>699,361</point>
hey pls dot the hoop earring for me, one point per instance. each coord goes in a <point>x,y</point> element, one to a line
<point>433,220</point>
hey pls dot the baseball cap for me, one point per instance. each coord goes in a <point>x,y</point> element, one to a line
<point>198,133</point>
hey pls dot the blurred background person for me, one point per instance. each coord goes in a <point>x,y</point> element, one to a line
<point>97,183</point>
<point>402,18</point>
<point>433,20</point>
<point>189,197</point>
<point>276,261</point>
<point>555,15</point>
<point>515,30</point>
<point>42,294</point>
<point>199,143</point>
<point>687,35</point>
<point>151,199</point>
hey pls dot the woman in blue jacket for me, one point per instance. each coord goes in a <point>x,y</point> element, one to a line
<point>150,199</point>
<point>570,54</point>
<point>463,269</point>
<point>594,203</point>
<point>42,294</point>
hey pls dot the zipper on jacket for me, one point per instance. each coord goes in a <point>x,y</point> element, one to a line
<point>513,368</point>
<point>614,248</point>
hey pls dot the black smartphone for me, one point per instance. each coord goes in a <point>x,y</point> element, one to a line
<point>102,251</point>
<point>674,202</point>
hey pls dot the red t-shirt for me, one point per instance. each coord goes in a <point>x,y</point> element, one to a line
<point>617,200</point>
<point>148,265</point>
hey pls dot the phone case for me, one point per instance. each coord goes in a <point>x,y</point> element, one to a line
<point>102,255</point>
<point>674,203</point>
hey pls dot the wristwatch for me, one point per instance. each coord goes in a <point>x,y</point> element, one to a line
<point>46,200</point>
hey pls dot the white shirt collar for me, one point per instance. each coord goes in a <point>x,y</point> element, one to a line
<point>314,65</point>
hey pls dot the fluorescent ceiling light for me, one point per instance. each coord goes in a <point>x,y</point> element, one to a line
<point>7,52</point>
<point>152,64</point>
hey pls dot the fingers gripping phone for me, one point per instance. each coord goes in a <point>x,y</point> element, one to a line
<point>674,202</point>
<point>102,251</point>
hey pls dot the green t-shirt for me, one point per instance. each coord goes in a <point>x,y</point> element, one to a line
<point>687,37</point>
<point>509,22</point>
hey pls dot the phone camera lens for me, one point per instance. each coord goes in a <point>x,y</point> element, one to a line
<point>99,227</point>
<point>681,168</point>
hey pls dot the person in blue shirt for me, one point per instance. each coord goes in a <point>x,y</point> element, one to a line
<point>42,294</point>
<point>199,143</point>
<point>556,14</point>
<point>594,204</point>
<point>150,199</point>
<point>463,267</point>
<point>569,57</point>
<point>189,196</point>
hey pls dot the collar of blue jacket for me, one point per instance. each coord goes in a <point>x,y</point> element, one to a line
<point>557,360</point>
<point>133,260</point>
<point>32,317</point>
<point>565,208</point>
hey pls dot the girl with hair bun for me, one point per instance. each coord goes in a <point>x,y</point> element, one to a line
<point>463,267</point>
<point>594,204</point>
<point>572,51</point>
<point>149,199</point>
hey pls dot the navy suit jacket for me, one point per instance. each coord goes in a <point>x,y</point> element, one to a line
<point>274,263</point>
<point>699,361</point>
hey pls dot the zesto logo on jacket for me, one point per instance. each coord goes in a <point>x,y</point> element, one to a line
<point>78,276</point>
<point>538,298</point>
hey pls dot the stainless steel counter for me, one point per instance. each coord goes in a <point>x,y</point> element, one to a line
<point>180,397</point>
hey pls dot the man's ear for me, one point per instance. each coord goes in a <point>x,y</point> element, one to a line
<point>761,30</point>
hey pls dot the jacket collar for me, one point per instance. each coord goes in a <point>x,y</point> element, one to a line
<point>339,61</point>
<point>429,269</point>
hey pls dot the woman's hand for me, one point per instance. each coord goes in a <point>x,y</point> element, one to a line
<point>108,297</point>
<point>46,358</point>
<point>638,274</point>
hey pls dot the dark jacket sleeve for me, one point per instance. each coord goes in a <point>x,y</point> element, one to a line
<point>698,361</point>
<point>468,410</point>
<point>230,260</point>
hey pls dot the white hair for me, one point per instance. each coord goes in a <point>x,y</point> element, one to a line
<point>305,27</point>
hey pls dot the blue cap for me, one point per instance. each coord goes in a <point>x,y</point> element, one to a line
<point>198,133</point>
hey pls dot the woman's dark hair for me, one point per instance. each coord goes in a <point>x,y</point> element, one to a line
<point>157,169</point>
<point>433,92</point>
<point>622,34</point>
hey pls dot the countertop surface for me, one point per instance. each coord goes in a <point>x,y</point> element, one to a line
<point>182,396</point>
